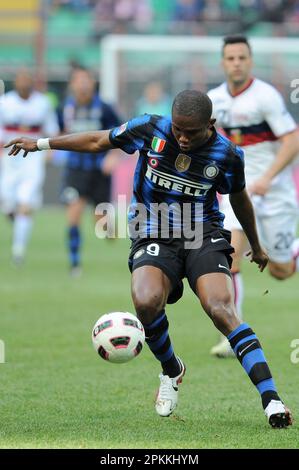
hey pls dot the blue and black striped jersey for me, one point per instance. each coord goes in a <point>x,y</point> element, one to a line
<point>96,116</point>
<point>166,175</point>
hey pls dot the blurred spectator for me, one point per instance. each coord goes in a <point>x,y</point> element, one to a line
<point>74,4</point>
<point>273,11</point>
<point>188,10</point>
<point>154,100</point>
<point>104,10</point>
<point>136,16</point>
<point>138,12</point>
<point>122,16</point>
<point>212,11</point>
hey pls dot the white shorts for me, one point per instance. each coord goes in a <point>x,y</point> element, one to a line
<point>276,232</point>
<point>21,182</point>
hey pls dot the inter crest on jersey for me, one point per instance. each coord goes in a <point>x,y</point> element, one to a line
<point>211,171</point>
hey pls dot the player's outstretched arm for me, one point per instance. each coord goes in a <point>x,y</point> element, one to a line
<point>243,209</point>
<point>91,142</point>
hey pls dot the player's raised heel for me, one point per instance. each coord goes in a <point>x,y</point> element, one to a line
<point>278,415</point>
<point>222,349</point>
<point>167,396</point>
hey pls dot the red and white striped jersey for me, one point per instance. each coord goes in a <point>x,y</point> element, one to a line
<point>254,119</point>
<point>33,117</point>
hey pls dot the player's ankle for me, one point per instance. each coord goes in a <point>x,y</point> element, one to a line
<point>172,367</point>
<point>268,396</point>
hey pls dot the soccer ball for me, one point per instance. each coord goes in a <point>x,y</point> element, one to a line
<point>118,336</point>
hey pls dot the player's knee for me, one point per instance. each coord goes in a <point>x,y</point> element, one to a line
<point>148,303</point>
<point>223,314</point>
<point>25,210</point>
<point>281,271</point>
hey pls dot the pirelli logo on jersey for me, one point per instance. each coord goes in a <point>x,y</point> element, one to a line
<point>175,183</point>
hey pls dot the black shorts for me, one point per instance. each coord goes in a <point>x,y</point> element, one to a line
<point>91,185</point>
<point>177,262</point>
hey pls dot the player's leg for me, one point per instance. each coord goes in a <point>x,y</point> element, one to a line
<point>240,244</point>
<point>74,194</point>
<point>215,291</point>
<point>279,233</point>
<point>239,241</point>
<point>100,192</point>
<point>152,288</point>
<point>8,186</point>
<point>22,228</point>
<point>74,214</point>
<point>295,254</point>
<point>29,199</point>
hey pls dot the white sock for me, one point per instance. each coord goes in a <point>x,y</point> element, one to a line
<point>295,252</point>
<point>21,233</point>
<point>239,292</point>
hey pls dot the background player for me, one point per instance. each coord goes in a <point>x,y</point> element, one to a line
<point>23,111</point>
<point>253,115</point>
<point>87,177</point>
<point>182,161</point>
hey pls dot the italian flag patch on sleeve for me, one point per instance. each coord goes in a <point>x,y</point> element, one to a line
<point>158,144</point>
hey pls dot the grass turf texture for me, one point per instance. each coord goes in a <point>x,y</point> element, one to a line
<point>57,393</point>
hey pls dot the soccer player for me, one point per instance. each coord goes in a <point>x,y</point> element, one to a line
<point>23,111</point>
<point>183,162</point>
<point>86,178</point>
<point>253,115</point>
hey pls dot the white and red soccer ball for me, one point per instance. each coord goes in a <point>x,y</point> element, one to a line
<point>118,336</point>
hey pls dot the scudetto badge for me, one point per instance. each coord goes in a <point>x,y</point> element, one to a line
<point>182,162</point>
<point>210,171</point>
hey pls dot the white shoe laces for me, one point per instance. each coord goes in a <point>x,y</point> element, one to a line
<point>166,388</point>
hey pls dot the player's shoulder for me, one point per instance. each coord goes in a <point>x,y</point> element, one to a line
<point>264,89</point>
<point>41,98</point>
<point>139,121</point>
<point>153,121</point>
<point>229,149</point>
<point>11,95</point>
<point>218,91</point>
<point>137,124</point>
<point>161,123</point>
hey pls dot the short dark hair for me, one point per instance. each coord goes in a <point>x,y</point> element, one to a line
<point>235,39</point>
<point>193,103</point>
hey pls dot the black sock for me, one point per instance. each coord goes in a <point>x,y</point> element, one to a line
<point>157,339</point>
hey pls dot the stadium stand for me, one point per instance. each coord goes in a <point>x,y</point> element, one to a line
<point>71,29</point>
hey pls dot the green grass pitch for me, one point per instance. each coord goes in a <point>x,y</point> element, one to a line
<point>57,393</point>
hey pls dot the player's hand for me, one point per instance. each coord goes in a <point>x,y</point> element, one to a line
<point>259,257</point>
<point>22,143</point>
<point>260,186</point>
